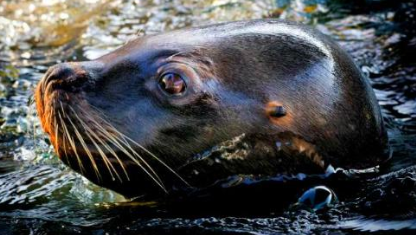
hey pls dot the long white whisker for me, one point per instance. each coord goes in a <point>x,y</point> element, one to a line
<point>125,137</point>
<point>108,164</point>
<point>114,141</point>
<point>87,151</point>
<point>117,141</point>
<point>125,151</point>
<point>64,141</point>
<point>103,143</point>
<point>71,142</point>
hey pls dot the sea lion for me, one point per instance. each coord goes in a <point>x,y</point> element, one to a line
<point>187,108</point>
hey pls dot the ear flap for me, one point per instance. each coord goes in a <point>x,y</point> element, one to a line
<point>279,114</point>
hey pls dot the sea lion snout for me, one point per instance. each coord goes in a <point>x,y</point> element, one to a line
<point>66,76</point>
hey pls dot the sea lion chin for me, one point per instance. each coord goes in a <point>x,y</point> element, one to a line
<point>187,108</point>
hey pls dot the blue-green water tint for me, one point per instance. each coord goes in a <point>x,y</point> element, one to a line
<point>38,195</point>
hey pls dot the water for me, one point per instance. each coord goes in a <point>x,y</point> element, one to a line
<point>38,195</point>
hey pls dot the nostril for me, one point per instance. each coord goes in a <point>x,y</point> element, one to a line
<point>65,76</point>
<point>57,72</point>
<point>79,81</point>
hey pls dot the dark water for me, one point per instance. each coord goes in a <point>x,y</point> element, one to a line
<point>38,195</point>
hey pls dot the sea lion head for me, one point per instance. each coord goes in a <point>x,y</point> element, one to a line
<point>132,119</point>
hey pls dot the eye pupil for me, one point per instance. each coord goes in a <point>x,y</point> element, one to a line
<point>172,83</point>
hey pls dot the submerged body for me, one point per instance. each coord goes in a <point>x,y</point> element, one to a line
<point>187,108</point>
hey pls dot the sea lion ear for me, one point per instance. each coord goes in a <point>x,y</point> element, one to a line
<point>275,109</point>
<point>279,114</point>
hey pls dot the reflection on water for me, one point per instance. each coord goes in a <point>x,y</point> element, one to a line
<point>39,30</point>
<point>39,195</point>
<point>369,225</point>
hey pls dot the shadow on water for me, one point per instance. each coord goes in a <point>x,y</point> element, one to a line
<point>38,195</point>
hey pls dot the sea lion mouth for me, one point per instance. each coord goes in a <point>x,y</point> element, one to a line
<point>265,152</point>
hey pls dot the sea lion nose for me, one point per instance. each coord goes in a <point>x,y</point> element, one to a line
<point>66,76</point>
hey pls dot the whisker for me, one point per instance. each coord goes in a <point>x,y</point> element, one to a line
<point>138,145</point>
<point>153,176</point>
<point>116,138</point>
<point>126,144</point>
<point>87,151</point>
<point>56,135</point>
<point>71,141</point>
<point>64,142</point>
<point>116,142</point>
<point>155,157</point>
<point>104,144</point>
<point>107,162</point>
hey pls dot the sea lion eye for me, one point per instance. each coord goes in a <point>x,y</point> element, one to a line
<point>172,83</point>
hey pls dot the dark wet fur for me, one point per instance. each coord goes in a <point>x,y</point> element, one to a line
<point>238,68</point>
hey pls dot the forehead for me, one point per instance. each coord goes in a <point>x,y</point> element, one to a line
<point>216,39</point>
<point>184,39</point>
<point>149,48</point>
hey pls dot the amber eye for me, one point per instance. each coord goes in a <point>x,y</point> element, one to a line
<point>172,83</point>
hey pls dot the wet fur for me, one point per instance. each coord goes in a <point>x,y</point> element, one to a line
<point>240,68</point>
